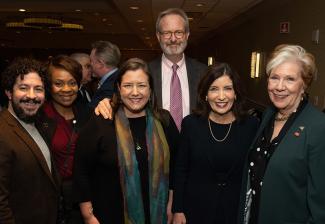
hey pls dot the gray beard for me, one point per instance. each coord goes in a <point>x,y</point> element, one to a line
<point>180,49</point>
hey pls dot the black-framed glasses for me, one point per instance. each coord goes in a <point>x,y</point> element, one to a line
<point>168,34</point>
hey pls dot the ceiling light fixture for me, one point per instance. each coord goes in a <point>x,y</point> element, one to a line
<point>44,24</point>
<point>21,25</point>
<point>22,10</point>
<point>69,27</point>
<point>199,4</point>
<point>134,7</point>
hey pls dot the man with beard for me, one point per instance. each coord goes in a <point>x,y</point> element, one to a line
<point>28,182</point>
<point>175,76</point>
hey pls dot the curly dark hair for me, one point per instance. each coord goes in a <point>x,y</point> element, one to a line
<point>214,72</point>
<point>21,67</point>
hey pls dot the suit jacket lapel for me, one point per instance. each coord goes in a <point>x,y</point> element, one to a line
<point>30,143</point>
<point>156,73</point>
<point>192,78</point>
<point>301,121</point>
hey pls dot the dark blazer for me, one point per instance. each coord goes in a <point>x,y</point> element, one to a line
<point>208,175</point>
<point>195,70</point>
<point>294,182</point>
<point>82,95</point>
<point>106,90</point>
<point>28,190</point>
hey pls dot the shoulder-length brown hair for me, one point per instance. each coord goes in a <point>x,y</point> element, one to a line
<point>214,72</point>
<point>134,64</point>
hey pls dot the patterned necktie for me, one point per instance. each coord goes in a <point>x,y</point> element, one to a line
<point>176,109</point>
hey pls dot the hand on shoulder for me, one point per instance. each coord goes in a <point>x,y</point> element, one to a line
<point>104,109</point>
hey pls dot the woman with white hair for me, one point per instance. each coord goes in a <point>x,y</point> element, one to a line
<point>285,165</point>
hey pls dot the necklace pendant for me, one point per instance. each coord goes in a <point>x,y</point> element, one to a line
<point>138,147</point>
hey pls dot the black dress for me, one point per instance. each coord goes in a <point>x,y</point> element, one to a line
<point>138,129</point>
<point>96,171</point>
<point>208,173</point>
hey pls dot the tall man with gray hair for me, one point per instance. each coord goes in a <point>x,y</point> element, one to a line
<point>176,76</point>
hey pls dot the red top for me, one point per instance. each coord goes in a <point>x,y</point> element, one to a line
<point>63,141</point>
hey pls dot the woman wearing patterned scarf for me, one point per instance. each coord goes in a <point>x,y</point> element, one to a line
<point>122,166</point>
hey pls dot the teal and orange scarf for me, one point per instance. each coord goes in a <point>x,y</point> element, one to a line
<point>158,164</point>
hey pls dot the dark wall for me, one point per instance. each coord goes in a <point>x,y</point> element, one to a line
<point>258,29</point>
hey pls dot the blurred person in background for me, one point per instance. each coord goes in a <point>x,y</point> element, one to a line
<point>104,59</point>
<point>85,92</point>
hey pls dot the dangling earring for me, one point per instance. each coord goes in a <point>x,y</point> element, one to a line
<point>206,98</point>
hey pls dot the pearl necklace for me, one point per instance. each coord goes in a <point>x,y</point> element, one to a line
<point>219,140</point>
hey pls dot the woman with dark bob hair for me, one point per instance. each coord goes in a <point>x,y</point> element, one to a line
<point>286,162</point>
<point>122,166</point>
<point>212,149</point>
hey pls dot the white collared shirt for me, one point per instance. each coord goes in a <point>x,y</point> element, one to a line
<point>167,72</point>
